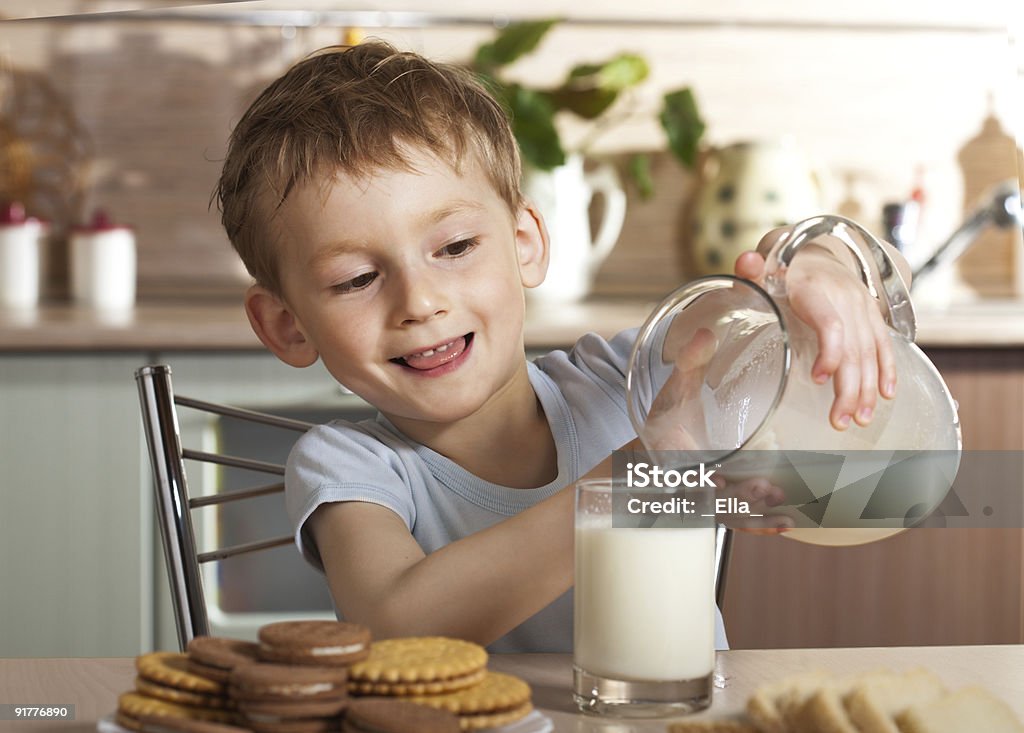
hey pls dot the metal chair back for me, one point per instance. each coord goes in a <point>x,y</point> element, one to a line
<point>174,503</point>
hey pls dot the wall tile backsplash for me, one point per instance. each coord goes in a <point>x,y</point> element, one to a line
<point>871,99</point>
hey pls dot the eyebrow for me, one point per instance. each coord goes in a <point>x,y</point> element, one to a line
<point>434,217</point>
<point>458,206</point>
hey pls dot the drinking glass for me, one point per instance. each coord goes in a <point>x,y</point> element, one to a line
<point>644,638</point>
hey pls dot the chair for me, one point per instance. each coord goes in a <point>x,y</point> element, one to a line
<point>174,503</point>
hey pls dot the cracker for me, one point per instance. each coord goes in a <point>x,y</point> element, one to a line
<point>171,669</point>
<point>970,709</point>
<point>496,693</point>
<point>132,705</point>
<point>769,705</point>
<point>874,702</point>
<point>822,712</point>
<point>494,720</point>
<point>419,659</point>
<point>184,697</point>
<point>405,689</point>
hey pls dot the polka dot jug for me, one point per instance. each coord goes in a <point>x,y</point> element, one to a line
<point>748,188</point>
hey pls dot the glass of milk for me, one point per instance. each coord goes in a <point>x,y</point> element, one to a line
<point>644,639</point>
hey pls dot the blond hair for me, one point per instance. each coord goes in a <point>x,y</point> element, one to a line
<point>353,110</point>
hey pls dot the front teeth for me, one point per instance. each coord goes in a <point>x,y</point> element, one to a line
<point>431,352</point>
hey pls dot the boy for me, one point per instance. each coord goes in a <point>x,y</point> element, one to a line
<point>374,197</point>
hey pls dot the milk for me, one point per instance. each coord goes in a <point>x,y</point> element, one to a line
<point>645,606</point>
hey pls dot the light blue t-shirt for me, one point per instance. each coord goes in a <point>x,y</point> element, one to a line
<point>583,394</point>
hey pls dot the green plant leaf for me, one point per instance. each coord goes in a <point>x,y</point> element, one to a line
<point>590,89</point>
<point>621,72</point>
<point>586,103</point>
<point>683,125</point>
<point>533,124</point>
<point>512,42</point>
<point>639,169</point>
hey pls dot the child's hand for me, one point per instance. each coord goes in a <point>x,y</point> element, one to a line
<point>675,412</point>
<point>760,495</point>
<point>854,343</point>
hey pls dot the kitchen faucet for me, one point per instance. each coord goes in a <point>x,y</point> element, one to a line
<point>1000,207</point>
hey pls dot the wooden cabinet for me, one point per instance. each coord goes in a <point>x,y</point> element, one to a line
<point>924,586</point>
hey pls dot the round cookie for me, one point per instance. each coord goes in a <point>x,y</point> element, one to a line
<point>419,659</point>
<point>498,700</point>
<point>214,657</point>
<point>405,689</point>
<point>479,721</point>
<point>182,697</point>
<point>293,709</point>
<point>131,706</point>
<point>317,643</point>
<point>171,670</point>
<point>381,715</point>
<point>279,682</point>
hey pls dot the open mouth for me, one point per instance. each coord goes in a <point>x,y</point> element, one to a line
<point>436,356</point>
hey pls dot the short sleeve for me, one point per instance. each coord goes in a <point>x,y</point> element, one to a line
<point>602,362</point>
<point>340,462</point>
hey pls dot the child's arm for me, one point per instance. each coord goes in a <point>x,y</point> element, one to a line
<point>478,588</point>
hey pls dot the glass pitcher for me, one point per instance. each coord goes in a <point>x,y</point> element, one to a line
<point>721,373</point>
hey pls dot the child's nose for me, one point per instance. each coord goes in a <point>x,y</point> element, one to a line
<point>421,298</point>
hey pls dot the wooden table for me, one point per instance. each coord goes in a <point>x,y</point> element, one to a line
<point>92,685</point>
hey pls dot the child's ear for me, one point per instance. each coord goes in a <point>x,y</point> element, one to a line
<point>532,245</point>
<point>276,326</point>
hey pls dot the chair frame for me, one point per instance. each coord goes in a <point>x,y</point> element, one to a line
<point>173,501</point>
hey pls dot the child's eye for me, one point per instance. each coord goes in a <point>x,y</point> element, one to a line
<point>457,249</point>
<point>357,283</point>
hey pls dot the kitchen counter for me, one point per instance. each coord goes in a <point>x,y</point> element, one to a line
<point>218,325</point>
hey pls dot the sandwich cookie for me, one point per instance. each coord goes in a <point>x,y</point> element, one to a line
<point>214,657</point>
<point>318,643</point>
<point>386,715</point>
<point>290,699</point>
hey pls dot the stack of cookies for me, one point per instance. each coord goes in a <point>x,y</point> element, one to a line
<point>318,677</point>
<point>166,686</point>
<point>445,674</point>
<point>883,701</point>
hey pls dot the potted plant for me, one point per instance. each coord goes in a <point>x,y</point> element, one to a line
<point>555,177</point>
<point>589,92</point>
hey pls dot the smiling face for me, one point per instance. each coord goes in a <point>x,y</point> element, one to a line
<point>409,286</point>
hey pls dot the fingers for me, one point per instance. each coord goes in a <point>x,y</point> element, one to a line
<point>674,412</point>
<point>750,266</point>
<point>855,380</point>
<point>760,495</point>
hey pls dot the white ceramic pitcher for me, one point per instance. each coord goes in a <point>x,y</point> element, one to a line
<point>564,196</point>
